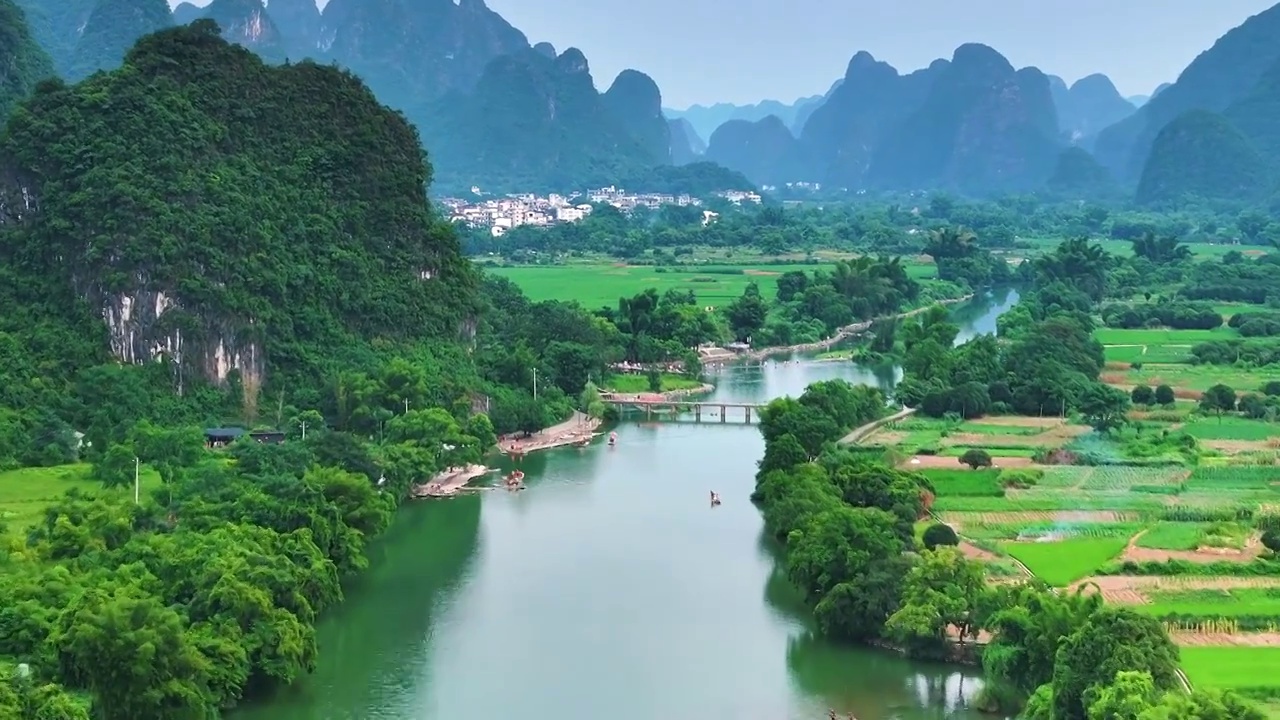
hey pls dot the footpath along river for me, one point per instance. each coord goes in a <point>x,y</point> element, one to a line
<point>610,589</point>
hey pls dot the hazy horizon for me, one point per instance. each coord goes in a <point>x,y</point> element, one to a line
<point>763,49</point>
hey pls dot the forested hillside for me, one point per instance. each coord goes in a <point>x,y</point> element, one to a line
<point>110,30</point>
<point>23,63</point>
<point>260,248</point>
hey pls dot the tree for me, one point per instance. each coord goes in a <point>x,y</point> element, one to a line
<point>976,458</point>
<point>1105,408</point>
<point>1127,698</point>
<point>939,534</point>
<point>941,591</point>
<point>747,313</point>
<point>168,450</point>
<point>1164,395</point>
<point>1218,399</point>
<point>1271,540</point>
<point>135,655</point>
<point>1112,640</point>
<point>115,468</point>
<point>1142,395</point>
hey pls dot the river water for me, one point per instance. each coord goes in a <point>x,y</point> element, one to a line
<point>609,589</point>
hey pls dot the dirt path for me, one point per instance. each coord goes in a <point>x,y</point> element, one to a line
<point>859,433</point>
<point>841,334</point>
<point>574,430</point>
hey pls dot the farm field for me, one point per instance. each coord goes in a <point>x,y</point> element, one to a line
<point>597,285</point>
<point>25,493</point>
<point>1189,381</point>
<point>1174,536</point>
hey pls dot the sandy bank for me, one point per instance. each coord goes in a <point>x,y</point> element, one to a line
<point>450,482</point>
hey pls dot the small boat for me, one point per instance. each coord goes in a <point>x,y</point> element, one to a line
<point>613,438</point>
<point>515,480</point>
<point>583,443</point>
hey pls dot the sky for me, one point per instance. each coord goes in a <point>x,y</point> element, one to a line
<point>744,51</point>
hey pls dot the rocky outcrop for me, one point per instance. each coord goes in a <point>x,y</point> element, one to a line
<point>686,146</point>
<point>1087,107</point>
<point>844,133</point>
<point>1217,78</point>
<point>982,128</point>
<point>246,23</point>
<point>764,151</point>
<point>412,52</point>
<point>636,104</point>
<point>111,29</point>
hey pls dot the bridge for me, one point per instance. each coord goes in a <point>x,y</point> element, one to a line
<point>660,406</point>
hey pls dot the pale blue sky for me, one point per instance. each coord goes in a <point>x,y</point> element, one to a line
<point>703,51</point>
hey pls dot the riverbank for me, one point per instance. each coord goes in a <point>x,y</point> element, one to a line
<point>450,482</point>
<point>840,335</point>
<point>702,389</point>
<point>578,429</point>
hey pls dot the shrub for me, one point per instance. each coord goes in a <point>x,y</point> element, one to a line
<point>1164,395</point>
<point>1135,366</point>
<point>939,534</point>
<point>976,458</point>
<point>1143,395</point>
<point>1023,478</point>
<point>1271,540</point>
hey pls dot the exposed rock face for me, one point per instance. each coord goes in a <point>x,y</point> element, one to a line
<point>764,151</point>
<point>1218,77</point>
<point>413,51</point>
<point>983,127</point>
<point>636,103</point>
<point>111,29</point>
<point>246,23</point>
<point>144,324</point>
<point>686,146</point>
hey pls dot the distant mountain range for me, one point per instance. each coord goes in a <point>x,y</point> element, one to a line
<point>496,111</point>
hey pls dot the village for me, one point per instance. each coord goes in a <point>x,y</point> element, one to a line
<point>502,213</point>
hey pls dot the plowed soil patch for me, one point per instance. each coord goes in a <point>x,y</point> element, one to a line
<point>973,552</point>
<point>1017,421</point>
<point>1203,555</point>
<point>1196,639</point>
<point>920,462</point>
<point>1031,517</point>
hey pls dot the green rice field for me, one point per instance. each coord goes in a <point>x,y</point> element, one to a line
<point>602,284</point>
<point>1065,561</point>
<point>1251,670</point>
<point>25,493</point>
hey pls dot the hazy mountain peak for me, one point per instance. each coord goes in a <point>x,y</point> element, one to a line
<point>572,61</point>
<point>546,49</point>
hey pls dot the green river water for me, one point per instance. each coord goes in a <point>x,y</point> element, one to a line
<point>610,589</point>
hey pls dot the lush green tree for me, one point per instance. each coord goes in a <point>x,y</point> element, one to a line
<point>941,591</point>
<point>747,313</point>
<point>1218,399</point>
<point>115,468</point>
<point>939,534</point>
<point>1142,395</point>
<point>1110,641</point>
<point>1105,408</point>
<point>976,458</point>
<point>1164,395</point>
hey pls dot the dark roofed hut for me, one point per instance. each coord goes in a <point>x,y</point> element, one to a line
<point>221,437</point>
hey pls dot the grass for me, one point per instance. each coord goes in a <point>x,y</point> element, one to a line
<point>1248,669</point>
<point>600,285</point>
<point>1161,336</point>
<point>1172,536</point>
<point>1231,427</point>
<point>1239,603</point>
<point>965,483</point>
<point>1220,478</point>
<point>640,383</point>
<point>25,493</point>
<point>1062,563</point>
<point>1195,377</point>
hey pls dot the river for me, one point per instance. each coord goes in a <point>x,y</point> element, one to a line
<point>609,589</point>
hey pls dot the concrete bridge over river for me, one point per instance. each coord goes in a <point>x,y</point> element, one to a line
<point>656,406</point>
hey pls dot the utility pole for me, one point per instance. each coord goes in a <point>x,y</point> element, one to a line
<point>535,383</point>
<point>303,423</point>
<point>137,472</point>
<point>406,406</point>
